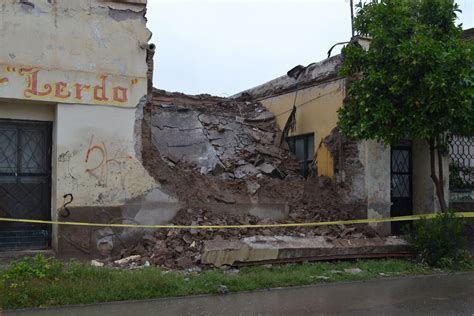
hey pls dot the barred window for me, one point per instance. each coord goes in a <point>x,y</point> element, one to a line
<point>461,164</point>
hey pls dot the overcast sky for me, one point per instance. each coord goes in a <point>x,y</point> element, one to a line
<point>222,47</point>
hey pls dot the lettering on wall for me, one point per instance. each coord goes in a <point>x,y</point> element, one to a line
<point>32,83</point>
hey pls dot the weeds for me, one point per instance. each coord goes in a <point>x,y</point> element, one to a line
<point>43,282</point>
<point>441,241</point>
<point>37,267</point>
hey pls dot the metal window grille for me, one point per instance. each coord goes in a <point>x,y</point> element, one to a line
<point>25,183</point>
<point>461,164</point>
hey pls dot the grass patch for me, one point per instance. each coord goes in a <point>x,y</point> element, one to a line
<point>82,284</point>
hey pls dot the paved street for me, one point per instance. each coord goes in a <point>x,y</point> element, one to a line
<point>428,295</point>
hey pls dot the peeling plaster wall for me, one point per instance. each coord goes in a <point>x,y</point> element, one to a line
<point>75,35</point>
<point>73,51</point>
<point>377,180</point>
<point>87,60</point>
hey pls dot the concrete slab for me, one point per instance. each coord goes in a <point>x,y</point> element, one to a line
<point>262,249</point>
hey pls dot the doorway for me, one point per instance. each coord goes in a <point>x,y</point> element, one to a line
<point>401,185</point>
<point>302,146</point>
<point>25,183</point>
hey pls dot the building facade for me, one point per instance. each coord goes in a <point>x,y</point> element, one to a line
<point>73,81</point>
<point>389,181</point>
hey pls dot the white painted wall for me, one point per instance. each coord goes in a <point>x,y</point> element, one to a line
<point>49,50</point>
<point>96,159</point>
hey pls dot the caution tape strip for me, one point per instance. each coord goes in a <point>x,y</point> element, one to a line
<point>313,224</point>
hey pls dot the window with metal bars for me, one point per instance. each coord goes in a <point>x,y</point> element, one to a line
<point>461,163</point>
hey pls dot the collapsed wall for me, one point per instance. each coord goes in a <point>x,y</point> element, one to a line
<point>223,160</point>
<point>349,171</point>
<point>208,150</point>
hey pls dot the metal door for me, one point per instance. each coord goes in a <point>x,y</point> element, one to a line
<point>401,185</point>
<point>25,183</point>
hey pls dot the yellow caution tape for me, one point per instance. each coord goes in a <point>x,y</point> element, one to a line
<point>344,222</point>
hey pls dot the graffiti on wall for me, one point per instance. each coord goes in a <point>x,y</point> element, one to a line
<point>108,170</point>
<point>99,171</point>
<point>34,83</point>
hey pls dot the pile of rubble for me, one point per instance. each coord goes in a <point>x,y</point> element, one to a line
<point>221,158</point>
<point>182,249</point>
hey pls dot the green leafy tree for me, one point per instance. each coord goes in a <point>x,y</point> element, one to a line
<point>415,81</point>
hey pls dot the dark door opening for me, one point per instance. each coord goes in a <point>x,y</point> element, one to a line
<point>401,186</point>
<point>25,183</point>
<point>302,146</point>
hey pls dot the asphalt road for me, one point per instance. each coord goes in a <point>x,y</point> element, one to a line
<point>425,295</point>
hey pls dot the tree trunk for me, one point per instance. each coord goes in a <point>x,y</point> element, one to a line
<point>438,181</point>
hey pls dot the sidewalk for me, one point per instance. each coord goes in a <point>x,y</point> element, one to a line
<point>450,294</point>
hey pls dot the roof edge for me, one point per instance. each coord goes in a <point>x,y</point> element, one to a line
<point>322,71</point>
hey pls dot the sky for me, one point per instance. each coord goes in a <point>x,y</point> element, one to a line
<point>222,47</point>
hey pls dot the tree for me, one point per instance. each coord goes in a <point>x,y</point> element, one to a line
<point>415,81</point>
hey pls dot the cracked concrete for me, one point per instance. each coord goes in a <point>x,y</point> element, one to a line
<point>180,138</point>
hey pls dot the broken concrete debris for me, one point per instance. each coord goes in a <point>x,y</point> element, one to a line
<point>266,168</point>
<point>183,249</point>
<point>252,187</point>
<point>127,260</point>
<point>96,263</point>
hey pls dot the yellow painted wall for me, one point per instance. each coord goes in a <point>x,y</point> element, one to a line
<point>316,113</point>
<point>324,161</point>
